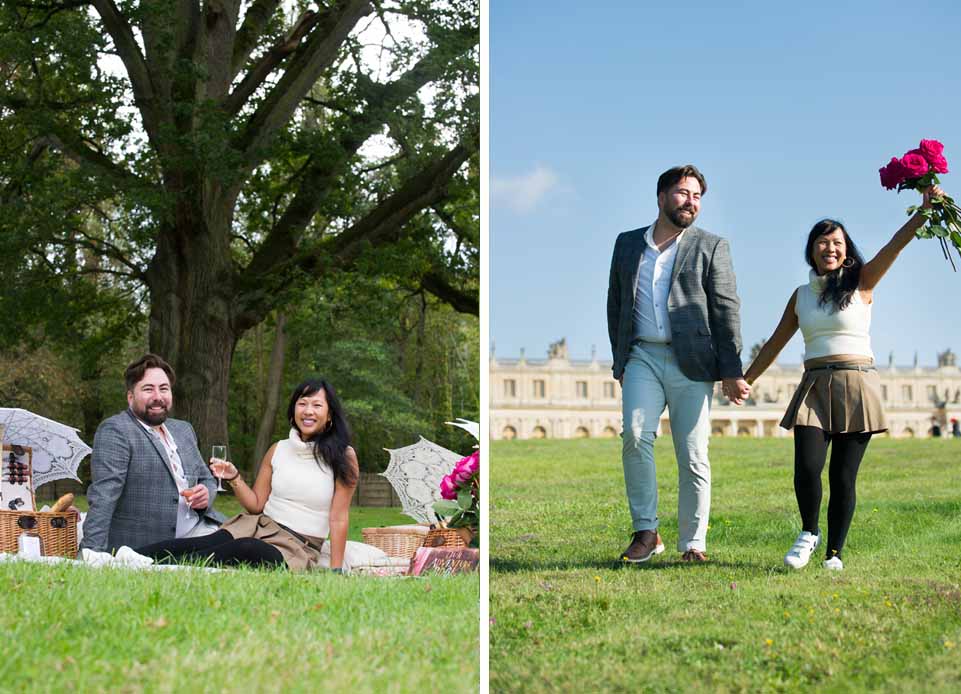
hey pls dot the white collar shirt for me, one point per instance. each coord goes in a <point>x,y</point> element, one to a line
<point>187,518</point>
<point>651,320</point>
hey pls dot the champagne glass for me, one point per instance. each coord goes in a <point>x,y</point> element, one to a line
<point>218,454</point>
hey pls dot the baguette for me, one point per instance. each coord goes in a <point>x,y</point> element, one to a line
<point>63,503</point>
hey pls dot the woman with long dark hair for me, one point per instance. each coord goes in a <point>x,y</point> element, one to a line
<point>300,498</point>
<point>838,401</point>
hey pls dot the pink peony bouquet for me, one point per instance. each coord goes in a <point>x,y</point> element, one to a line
<point>917,170</point>
<point>460,491</point>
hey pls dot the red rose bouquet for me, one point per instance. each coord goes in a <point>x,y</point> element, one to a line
<point>917,170</point>
<point>460,492</point>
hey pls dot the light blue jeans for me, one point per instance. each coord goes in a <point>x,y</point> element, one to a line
<point>653,380</point>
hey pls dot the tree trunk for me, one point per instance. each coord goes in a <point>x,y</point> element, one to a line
<point>266,429</point>
<point>191,286</point>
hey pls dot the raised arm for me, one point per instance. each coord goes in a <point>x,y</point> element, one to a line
<point>877,267</point>
<point>340,513</point>
<point>784,331</point>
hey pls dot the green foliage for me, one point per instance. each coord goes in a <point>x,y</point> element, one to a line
<point>567,616</point>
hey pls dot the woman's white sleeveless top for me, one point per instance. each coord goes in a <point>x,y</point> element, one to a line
<point>301,491</point>
<point>827,331</point>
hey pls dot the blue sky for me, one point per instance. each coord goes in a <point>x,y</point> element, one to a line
<point>789,112</point>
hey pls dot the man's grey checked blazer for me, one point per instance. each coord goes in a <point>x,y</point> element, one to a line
<point>133,497</point>
<point>702,304</point>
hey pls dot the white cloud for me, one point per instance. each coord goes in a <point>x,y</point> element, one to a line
<point>522,193</point>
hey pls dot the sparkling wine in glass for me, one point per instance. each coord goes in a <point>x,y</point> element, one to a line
<point>218,454</point>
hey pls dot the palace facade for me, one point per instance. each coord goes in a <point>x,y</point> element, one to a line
<point>563,398</point>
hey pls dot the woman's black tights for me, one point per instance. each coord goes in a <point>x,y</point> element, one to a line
<point>810,453</point>
<point>220,547</point>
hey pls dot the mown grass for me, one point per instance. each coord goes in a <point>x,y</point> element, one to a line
<point>567,616</point>
<point>73,628</point>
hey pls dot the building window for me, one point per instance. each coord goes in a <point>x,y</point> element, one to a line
<point>884,393</point>
<point>510,387</point>
<point>539,388</point>
<point>932,393</point>
<point>907,393</point>
<point>608,390</point>
<point>581,389</point>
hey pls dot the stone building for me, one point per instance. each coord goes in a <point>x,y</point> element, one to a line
<point>560,397</point>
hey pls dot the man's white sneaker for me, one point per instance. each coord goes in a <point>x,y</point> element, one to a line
<point>800,553</point>
<point>834,564</point>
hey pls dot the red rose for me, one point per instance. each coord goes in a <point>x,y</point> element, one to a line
<point>931,150</point>
<point>914,165</point>
<point>892,174</point>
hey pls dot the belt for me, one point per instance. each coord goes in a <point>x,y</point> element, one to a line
<point>641,341</point>
<point>843,367</point>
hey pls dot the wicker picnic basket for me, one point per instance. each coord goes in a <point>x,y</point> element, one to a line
<point>444,537</point>
<point>57,531</point>
<point>396,540</point>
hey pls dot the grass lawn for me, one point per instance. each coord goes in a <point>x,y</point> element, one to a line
<point>70,628</point>
<point>566,616</point>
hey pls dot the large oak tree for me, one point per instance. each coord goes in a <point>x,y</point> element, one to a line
<point>210,158</point>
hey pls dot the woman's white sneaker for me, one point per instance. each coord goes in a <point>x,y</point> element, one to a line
<point>834,564</point>
<point>800,553</point>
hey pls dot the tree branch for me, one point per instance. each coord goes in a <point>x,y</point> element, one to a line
<point>383,101</point>
<point>310,60</point>
<point>255,22</point>
<point>384,222</point>
<point>134,62</point>
<point>269,62</point>
<point>437,284</point>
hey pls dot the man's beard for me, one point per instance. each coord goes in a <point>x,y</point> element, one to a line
<point>679,221</point>
<point>153,420</point>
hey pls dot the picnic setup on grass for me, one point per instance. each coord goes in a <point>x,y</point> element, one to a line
<point>437,488</point>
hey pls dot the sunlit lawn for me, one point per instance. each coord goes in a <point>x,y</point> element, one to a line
<point>568,617</point>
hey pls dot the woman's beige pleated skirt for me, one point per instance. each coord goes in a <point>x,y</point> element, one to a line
<point>298,555</point>
<point>839,401</point>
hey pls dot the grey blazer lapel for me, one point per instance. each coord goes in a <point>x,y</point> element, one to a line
<point>161,453</point>
<point>632,259</point>
<point>685,244</point>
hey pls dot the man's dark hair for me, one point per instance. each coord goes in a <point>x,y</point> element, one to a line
<point>134,373</point>
<point>672,176</point>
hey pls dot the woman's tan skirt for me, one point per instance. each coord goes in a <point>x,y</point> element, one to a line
<point>839,398</point>
<point>299,555</point>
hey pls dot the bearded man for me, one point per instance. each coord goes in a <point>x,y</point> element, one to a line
<point>149,481</point>
<point>674,324</point>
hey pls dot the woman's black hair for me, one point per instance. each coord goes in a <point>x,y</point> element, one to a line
<point>330,445</point>
<point>840,284</point>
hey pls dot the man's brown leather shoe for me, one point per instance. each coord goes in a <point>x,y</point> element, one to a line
<point>694,555</point>
<point>644,545</point>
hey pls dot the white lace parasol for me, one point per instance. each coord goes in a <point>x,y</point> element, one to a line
<point>57,448</point>
<point>415,472</point>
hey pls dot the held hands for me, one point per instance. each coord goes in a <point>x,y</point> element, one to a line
<point>736,390</point>
<point>197,496</point>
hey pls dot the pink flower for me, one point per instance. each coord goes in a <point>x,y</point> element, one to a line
<point>931,150</point>
<point>448,489</point>
<point>914,164</point>
<point>473,461</point>
<point>460,475</point>
<point>892,174</point>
